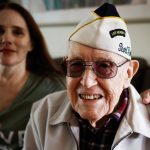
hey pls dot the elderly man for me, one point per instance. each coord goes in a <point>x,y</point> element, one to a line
<point>100,110</point>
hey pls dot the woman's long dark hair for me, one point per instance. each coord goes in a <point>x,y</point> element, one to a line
<point>39,60</point>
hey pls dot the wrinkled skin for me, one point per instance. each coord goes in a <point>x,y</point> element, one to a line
<point>82,90</point>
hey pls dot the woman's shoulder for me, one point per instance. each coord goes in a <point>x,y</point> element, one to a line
<point>50,84</point>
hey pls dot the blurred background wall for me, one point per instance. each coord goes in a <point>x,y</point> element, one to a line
<point>57,19</point>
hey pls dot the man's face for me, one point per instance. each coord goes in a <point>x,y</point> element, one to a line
<point>90,96</point>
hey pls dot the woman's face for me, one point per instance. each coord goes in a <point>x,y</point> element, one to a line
<point>15,42</point>
<point>93,97</point>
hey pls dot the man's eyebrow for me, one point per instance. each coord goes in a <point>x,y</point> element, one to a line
<point>103,59</point>
<point>76,57</point>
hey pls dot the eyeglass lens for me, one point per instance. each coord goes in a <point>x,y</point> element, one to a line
<point>103,69</point>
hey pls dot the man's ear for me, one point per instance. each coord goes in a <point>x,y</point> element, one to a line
<point>133,68</point>
<point>131,71</point>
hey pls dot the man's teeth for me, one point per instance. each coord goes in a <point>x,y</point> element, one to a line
<point>90,97</point>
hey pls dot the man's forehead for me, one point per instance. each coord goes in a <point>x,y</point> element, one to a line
<point>77,50</point>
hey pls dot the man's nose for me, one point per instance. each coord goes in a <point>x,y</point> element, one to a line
<point>88,78</point>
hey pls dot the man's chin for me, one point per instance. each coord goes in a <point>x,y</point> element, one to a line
<point>91,116</point>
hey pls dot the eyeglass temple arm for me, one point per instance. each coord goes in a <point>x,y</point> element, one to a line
<point>123,63</point>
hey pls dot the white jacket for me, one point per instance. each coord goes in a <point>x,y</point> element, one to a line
<point>53,126</point>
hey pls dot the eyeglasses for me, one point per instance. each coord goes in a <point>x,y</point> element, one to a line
<point>103,69</point>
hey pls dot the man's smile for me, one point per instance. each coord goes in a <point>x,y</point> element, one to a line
<point>90,96</point>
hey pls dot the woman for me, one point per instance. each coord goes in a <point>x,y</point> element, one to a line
<point>27,72</point>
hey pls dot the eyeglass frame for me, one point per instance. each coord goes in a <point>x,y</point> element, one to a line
<point>91,66</point>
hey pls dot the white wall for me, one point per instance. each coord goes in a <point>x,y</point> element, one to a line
<point>140,36</point>
<point>56,38</point>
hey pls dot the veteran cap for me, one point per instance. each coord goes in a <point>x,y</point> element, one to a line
<point>104,29</point>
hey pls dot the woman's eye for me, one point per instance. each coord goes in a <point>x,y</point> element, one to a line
<point>2,31</point>
<point>18,32</point>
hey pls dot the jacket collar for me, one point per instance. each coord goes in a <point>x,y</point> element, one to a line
<point>64,114</point>
<point>140,121</point>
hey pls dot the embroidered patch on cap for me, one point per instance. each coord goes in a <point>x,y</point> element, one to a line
<point>104,29</point>
<point>123,49</point>
<point>117,32</point>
